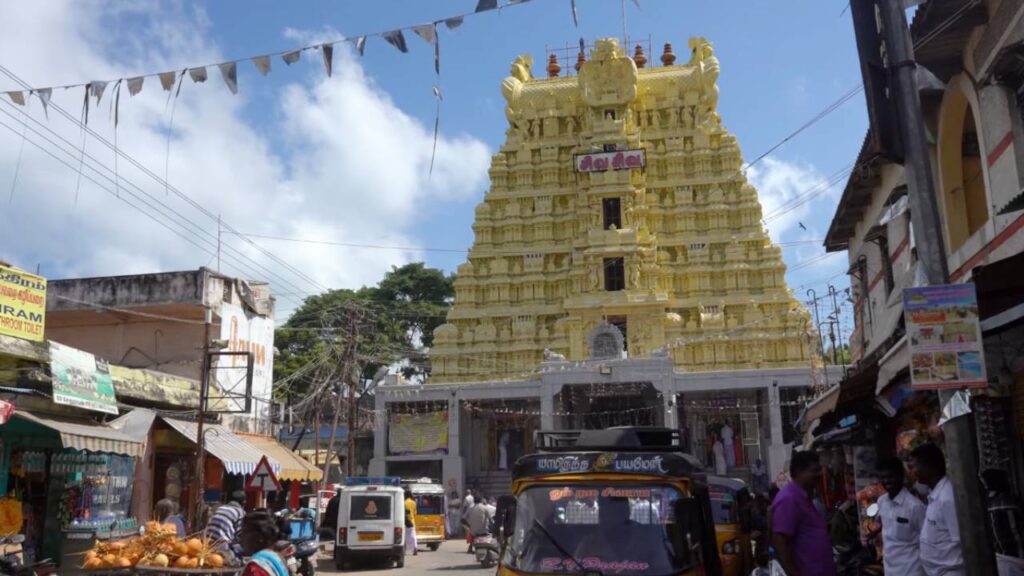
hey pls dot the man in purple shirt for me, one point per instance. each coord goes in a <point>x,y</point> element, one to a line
<point>799,533</point>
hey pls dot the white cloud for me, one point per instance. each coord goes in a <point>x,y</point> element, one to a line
<point>782,186</point>
<point>337,160</point>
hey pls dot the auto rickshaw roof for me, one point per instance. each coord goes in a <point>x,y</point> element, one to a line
<point>624,450</point>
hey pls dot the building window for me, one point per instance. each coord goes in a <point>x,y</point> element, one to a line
<point>609,114</point>
<point>610,147</point>
<point>612,208</point>
<point>614,274</point>
<point>883,249</point>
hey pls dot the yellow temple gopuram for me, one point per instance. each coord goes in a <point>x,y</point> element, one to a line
<point>619,222</point>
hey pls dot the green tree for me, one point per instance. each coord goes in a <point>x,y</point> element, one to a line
<point>396,320</point>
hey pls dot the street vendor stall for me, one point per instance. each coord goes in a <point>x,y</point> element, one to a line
<point>72,477</point>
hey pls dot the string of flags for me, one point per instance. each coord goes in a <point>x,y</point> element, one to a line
<point>228,70</point>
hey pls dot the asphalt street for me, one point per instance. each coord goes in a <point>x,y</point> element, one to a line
<point>451,559</point>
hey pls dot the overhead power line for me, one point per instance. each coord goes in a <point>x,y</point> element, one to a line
<point>202,209</point>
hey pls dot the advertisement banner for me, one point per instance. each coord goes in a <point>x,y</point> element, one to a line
<point>944,334</point>
<point>22,304</point>
<point>418,433</point>
<point>81,380</point>
<point>246,332</point>
<point>604,161</point>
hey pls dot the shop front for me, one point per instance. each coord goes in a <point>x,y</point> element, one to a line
<point>228,460</point>
<point>72,480</point>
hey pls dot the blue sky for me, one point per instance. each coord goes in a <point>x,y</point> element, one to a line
<point>281,137</point>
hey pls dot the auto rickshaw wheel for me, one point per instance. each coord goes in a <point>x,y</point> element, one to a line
<point>434,546</point>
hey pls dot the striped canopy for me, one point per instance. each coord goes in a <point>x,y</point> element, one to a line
<point>237,455</point>
<point>85,435</point>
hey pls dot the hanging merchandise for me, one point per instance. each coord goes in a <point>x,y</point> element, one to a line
<point>10,516</point>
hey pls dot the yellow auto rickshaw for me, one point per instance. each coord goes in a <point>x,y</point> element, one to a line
<point>732,536</point>
<point>624,501</point>
<point>430,510</point>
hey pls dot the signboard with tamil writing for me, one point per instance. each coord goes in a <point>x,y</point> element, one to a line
<point>944,334</point>
<point>418,433</point>
<point>22,304</point>
<point>81,380</point>
<point>654,464</point>
<point>604,161</point>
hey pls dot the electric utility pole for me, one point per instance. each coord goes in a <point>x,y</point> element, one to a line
<point>348,364</point>
<point>961,451</point>
<point>204,391</point>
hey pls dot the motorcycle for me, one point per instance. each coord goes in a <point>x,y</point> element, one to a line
<point>485,546</point>
<point>305,543</point>
<point>12,560</point>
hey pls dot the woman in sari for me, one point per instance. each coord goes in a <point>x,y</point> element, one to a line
<point>260,532</point>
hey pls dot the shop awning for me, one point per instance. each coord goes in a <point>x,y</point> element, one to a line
<point>237,455</point>
<point>896,360</point>
<point>821,406</point>
<point>84,435</point>
<point>293,466</point>
<point>317,457</point>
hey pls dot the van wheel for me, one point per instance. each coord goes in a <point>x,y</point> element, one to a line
<point>434,546</point>
<point>400,562</point>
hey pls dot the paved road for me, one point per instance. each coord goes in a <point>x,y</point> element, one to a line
<point>450,560</point>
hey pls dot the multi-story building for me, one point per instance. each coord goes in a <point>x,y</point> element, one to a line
<point>971,87</point>
<point>620,273</point>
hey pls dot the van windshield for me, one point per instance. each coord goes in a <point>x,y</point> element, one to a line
<point>367,507</point>
<point>616,529</point>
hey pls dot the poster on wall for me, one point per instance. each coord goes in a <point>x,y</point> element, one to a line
<point>944,334</point>
<point>22,304</point>
<point>418,433</point>
<point>246,332</point>
<point>81,380</point>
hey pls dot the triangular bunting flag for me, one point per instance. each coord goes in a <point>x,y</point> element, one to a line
<point>17,97</point>
<point>328,50</point>
<point>396,39</point>
<point>96,88</point>
<point>575,18</point>
<point>167,80</point>
<point>291,57</point>
<point>197,74</point>
<point>483,5</point>
<point>135,85</point>
<point>427,32</point>
<point>361,44</point>
<point>44,97</point>
<point>262,64</point>
<point>229,72</point>
<point>453,23</point>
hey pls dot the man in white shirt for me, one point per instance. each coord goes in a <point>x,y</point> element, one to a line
<point>902,516</point>
<point>941,554</point>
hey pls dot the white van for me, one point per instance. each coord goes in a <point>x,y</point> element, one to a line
<point>371,521</point>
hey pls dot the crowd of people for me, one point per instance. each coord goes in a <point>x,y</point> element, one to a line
<point>920,536</point>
